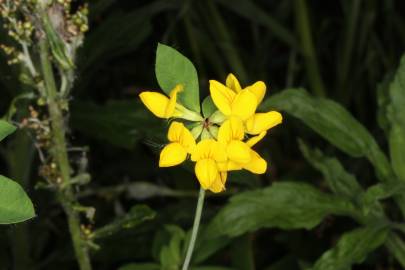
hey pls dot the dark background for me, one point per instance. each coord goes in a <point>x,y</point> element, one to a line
<point>336,49</point>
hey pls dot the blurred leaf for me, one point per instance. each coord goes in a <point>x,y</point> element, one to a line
<point>140,266</point>
<point>285,205</point>
<point>352,248</point>
<point>250,11</point>
<point>211,268</point>
<point>338,179</point>
<point>173,68</point>
<point>136,215</point>
<point>121,123</point>
<point>334,123</point>
<point>242,255</point>
<point>208,107</point>
<point>396,115</point>
<point>207,247</point>
<point>15,206</point>
<point>118,34</point>
<point>5,129</point>
<point>171,254</point>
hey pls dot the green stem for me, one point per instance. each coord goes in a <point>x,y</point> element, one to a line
<point>60,155</point>
<point>194,232</point>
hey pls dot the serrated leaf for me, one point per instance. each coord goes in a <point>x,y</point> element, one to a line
<point>333,122</point>
<point>208,107</point>
<point>15,206</point>
<point>338,179</point>
<point>352,248</point>
<point>5,129</point>
<point>136,215</point>
<point>173,68</point>
<point>285,205</point>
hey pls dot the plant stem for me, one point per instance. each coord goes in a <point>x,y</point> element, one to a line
<point>194,232</point>
<point>60,156</point>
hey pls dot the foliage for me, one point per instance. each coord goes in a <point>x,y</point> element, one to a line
<point>333,196</point>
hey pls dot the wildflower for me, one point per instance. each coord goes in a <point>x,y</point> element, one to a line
<point>181,143</point>
<point>239,153</point>
<point>167,107</point>
<point>208,154</point>
<point>232,100</point>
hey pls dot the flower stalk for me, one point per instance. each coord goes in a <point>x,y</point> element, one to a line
<point>194,232</point>
<point>59,152</point>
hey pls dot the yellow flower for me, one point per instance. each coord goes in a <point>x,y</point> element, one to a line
<point>240,155</point>
<point>207,154</point>
<point>260,122</point>
<point>181,143</point>
<point>159,104</point>
<point>232,100</point>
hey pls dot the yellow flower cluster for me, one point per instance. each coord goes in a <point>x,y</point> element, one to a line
<point>231,131</point>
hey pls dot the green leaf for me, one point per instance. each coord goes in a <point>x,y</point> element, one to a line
<point>140,266</point>
<point>338,179</point>
<point>334,123</point>
<point>136,215</point>
<point>381,191</point>
<point>121,123</point>
<point>15,206</point>
<point>396,116</point>
<point>174,68</point>
<point>352,248</point>
<point>285,205</point>
<point>5,129</point>
<point>208,107</point>
<point>171,254</point>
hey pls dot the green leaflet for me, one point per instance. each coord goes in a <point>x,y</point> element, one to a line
<point>15,206</point>
<point>285,205</point>
<point>335,124</point>
<point>5,129</point>
<point>136,215</point>
<point>352,248</point>
<point>208,107</point>
<point>174,68</point>
<point>338,179</point>
<point>396,116</point>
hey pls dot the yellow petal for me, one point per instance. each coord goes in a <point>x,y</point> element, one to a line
<point>258,89</point>
<point>252,141</point>
<point>172,154</point>
<point>209,149</point>
<point>238,152</point>
<point>257,164</point>
<point>180,134</point>
<point>219,183</point>
<point>155,102</point>
<point>170,109</point>
<point>244,105</point>
<point>263,121</point>
<point>175,131</point>
<point>206,171</point>
<point>233,83</point>
<point>222,97</point>
<point>231,129</point>
<point>233,166</point>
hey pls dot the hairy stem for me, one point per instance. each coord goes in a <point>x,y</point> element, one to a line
<point>59,153</point>
<point>194,232</point>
